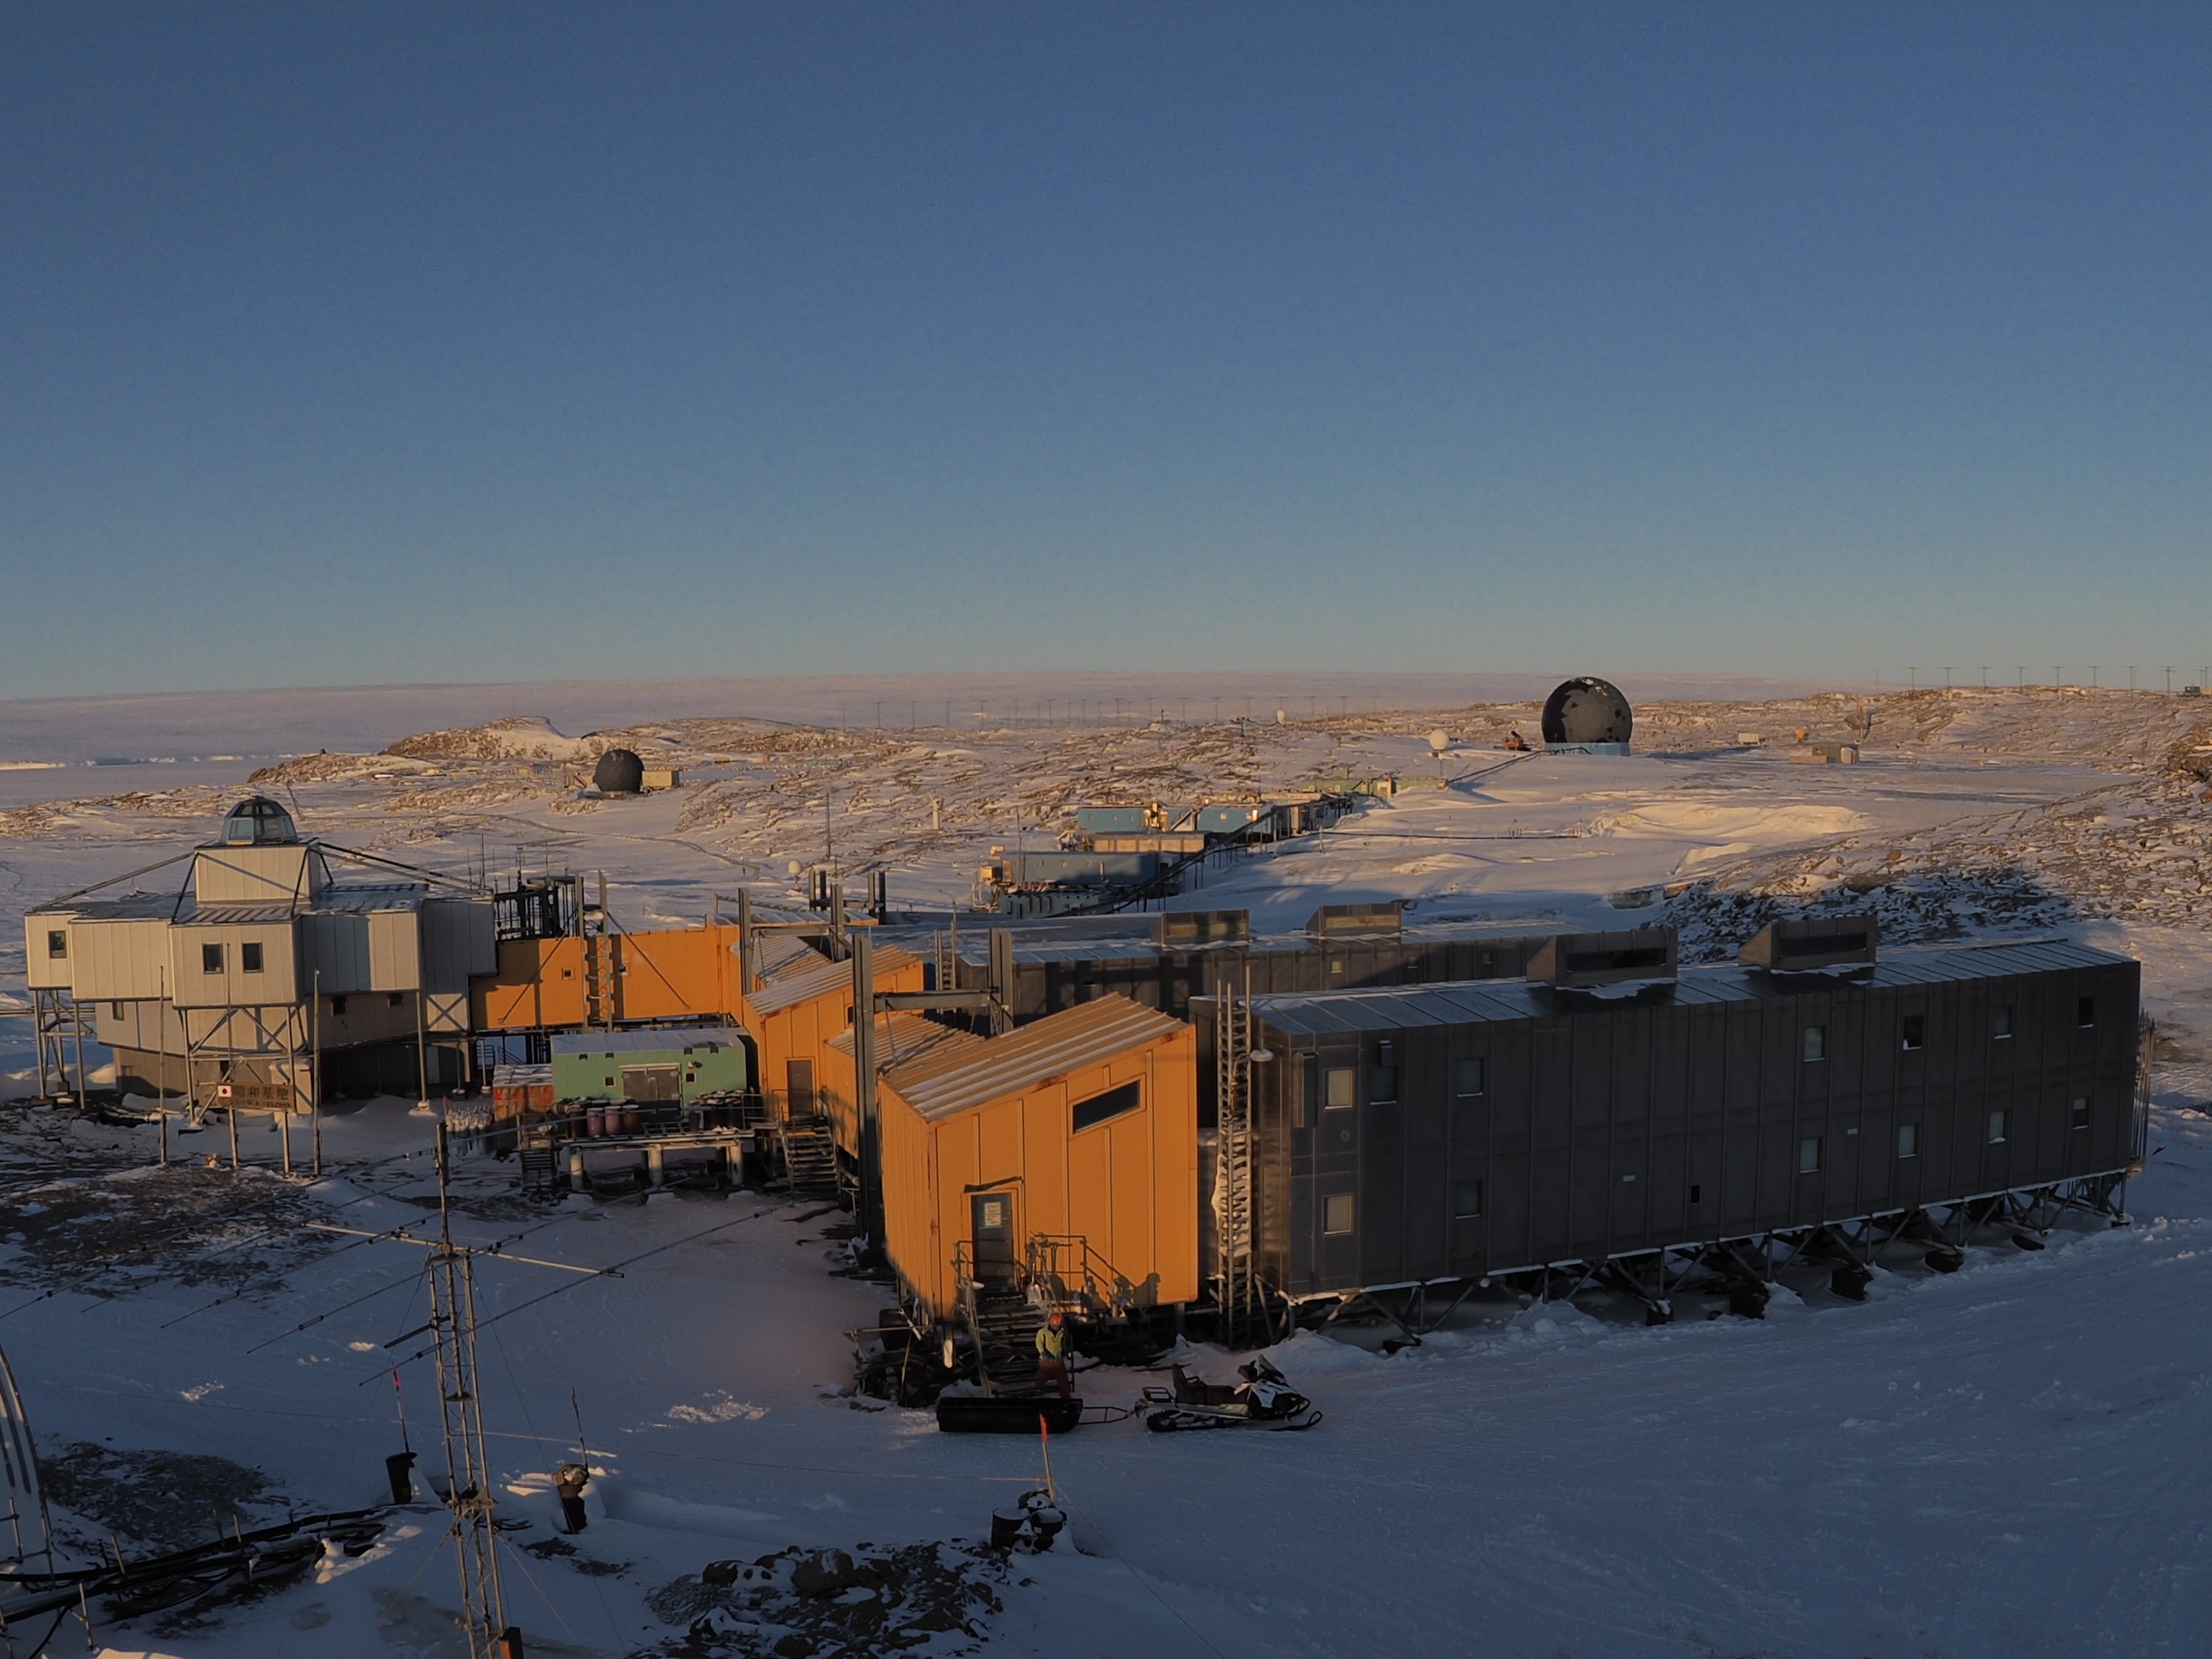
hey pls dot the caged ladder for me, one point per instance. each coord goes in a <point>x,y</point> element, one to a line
<point>1235,1261</point>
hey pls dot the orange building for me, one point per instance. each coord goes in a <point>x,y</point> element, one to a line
<point>900,1038</point>
<point>687,973</point>
<point>1066,1150</point>
<point>806,1001</point>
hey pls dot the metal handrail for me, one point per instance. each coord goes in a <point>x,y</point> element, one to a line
<point>1065,1274</point>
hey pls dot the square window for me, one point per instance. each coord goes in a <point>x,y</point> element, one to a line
<point>1916,1030</point>
<point>337,1006</point>
<point>2085,1012</point>
<point>249,957</point>
<point>1469,1079</point>
<point>1908,1140</point>
<point>2001,1025</point>
<point>57,943</point>
<point>1816,1043</point>
<point>1996,1128</point>
<point>1382,1084</point>
<point>2079,1119</point>
<point>1466,1200</point>
<point>211,958</point>
<point>1342,1088</point>
<point>395,999</point>
<point>1336,1213</point>
<point>1808,1155</point>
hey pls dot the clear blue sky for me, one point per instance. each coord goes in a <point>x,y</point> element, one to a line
<point>349,343</point>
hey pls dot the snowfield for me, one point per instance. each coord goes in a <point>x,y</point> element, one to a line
<point>2009,1460</point>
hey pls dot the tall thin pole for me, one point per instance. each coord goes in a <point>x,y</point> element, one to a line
<point>315,1078</point>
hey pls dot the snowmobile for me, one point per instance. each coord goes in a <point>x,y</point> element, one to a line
<point>1264,1399</point>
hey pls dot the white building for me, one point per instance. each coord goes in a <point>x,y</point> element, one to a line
<point>229,989</point>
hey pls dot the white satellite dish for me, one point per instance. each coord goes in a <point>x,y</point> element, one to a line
<point>792,867</point>
<point>1439,740</point>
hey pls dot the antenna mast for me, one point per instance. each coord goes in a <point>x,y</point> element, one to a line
<point>468,1466</point>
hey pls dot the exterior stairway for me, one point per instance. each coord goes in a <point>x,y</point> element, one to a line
<point>1006,1326</point>
<point>810,1157</point>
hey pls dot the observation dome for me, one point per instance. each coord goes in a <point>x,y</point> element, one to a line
<point>258,821</point>
<point>1589,713</point>
<point>619,772</point>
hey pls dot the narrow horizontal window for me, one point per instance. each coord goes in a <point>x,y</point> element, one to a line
<point>1908,1140</point>
<point>1915,1031</point>
<point>1996,1128</point>
<point>1342,1086</point>
<point>211,958</point>
<point>249,957</point>
<point>1336,1213</point>
<point>2080,1117</point>
<point>1816,1043</point>
<point>1808,1155</point>
<point>1112,1103</point>
<point>1470,1077</point>
<point>1466,1200</point>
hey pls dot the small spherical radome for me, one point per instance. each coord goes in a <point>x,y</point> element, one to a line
<point>1586,709</point>
<point>618,773</point>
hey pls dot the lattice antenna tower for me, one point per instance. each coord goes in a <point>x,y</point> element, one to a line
<point>1233,1173</point>
<point>468,1466</point>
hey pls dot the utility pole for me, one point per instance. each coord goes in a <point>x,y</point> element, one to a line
<point>468,1466</point>
<point>2169,679</point>
<point>1985,677</point>
<point>1912,678</point>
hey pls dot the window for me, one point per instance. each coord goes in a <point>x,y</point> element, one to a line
<point>395,999</point>
<point>249,957</point>
<point>1382,1084</point>
<point>1696,1193</point>
<point>1816,1043</point>
<point>2085,1012</point>
<point>1340,1089</point>
<point>1808,1155</point>
<point>57,943</point>
<point>337,1006</point>
<point>115,1010</point>
<point>1466,1200</point>
<point>1997,1128</point>
<point>1112,1103</point>
<point>211,958</point>
<point>1908,1140</point>
<point>1308,1090</point>
<point>1489,962</point>
<point>1915,1031</point>
<point>2001,1025</point>
<point>2079,1119</point>
<point>1470,1079</point>
<point>1336,1213</point>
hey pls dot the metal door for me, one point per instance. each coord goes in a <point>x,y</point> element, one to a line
<point>644,1084</point>
<point>798,1087</point>
<point>992,1216</point>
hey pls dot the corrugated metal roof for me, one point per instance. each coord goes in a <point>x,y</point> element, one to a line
<point>647,1042</point>
<point>778,954</point>
<point>944,1083</point>
<point>521,1077</point>
<point>356,898</point>
<point>1135,937</point>
<point>903,1039</point>
<point>804,984</point>
<point>1478,1001</point>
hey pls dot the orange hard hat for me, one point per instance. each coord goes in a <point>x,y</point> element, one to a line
<point>1055,1318</point>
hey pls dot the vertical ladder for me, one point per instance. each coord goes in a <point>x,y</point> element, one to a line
<point>1236,1267</point>
<point>599,964</point>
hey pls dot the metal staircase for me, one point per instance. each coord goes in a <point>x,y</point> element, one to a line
<point>1004,1323</point>
<point>1237,1272</point>
<point>810,1157</point>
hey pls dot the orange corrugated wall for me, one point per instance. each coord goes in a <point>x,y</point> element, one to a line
<point>803,1031</point>
<point>1128,1185</point>
<point>676,974</point>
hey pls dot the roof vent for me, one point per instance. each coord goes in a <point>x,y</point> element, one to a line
<point>1805,942</point>
<point>1348,920</point>
<point>1586,961</point>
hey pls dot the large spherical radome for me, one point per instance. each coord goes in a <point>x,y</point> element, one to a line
<point>619,772</point>
<point>1586,709</point>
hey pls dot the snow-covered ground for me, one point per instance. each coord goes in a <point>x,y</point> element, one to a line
<point>2007,1461</point>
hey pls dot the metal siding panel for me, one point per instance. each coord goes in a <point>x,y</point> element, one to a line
<point>394,951</point>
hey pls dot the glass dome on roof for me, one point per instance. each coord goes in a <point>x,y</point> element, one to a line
<point>258,821</point>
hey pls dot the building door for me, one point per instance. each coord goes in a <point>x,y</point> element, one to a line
<point>799,1088</point>
<point>992,1232</point>
<point>646,1085</point>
